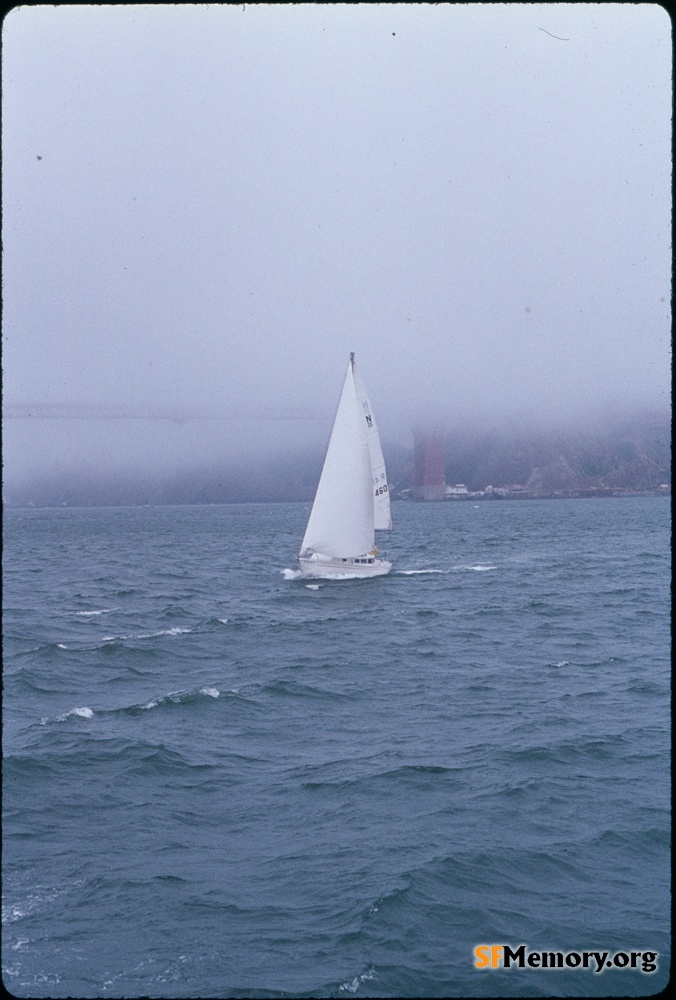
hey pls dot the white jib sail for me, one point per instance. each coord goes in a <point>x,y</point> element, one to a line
<point>381,491</point>
<point>341,520</point>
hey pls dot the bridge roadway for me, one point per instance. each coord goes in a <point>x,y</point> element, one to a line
<point>89,411</point>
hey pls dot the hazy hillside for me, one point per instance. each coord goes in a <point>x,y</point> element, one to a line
<point>624,455</point>
<point>631,455</point>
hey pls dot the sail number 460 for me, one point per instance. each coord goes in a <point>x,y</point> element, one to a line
<point>381,490</point>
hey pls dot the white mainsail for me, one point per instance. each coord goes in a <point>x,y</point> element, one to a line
<point>381,491</point>
<point>352,498</point>
<point>341,522</point>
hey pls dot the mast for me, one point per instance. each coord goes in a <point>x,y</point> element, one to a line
<point>382,516</point>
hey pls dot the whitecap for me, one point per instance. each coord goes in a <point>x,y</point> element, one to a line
<point>82,713</point>
<point>224,621</point>
<point>418,572</point>
<point>211,692</point>
<point>296,574</point>
<point>60,645</point>
<point>312,586</point>
<point>357,981</point>
<point>13,912</point>
<point>155,635</point>
<point>291,574</point>
<point>33,902</point>
<point>147,635</point>
<point>103,611</point>
<point>351,987</point>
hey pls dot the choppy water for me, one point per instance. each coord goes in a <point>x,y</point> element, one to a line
<point>219,782</point>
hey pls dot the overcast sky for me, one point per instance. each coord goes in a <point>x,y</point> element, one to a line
<point>207,207</point>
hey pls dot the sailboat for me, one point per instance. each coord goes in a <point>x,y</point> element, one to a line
<point>352,498</point>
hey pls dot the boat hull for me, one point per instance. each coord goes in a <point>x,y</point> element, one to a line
<point>328,568</point>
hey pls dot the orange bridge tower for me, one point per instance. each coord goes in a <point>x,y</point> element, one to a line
<point>428,469</point>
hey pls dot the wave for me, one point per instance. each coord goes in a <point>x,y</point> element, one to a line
<point>33,900</point>
<point>81,713</point>
<point>296,574</point>
<point>188,697</point>
<point>414,776</point>
<point>147,635</point>
<point>101,611</point>
<point>45,648</point>
<point>78,646</point>
<point>417,572</point>
<point>351,986</point>
<point>172,698</point>
<point>109,757</point>
<point>176,698</point>
<point>294,689</point>
<point>568,751</point>
<point>475,567</point>
<point>291,574</point>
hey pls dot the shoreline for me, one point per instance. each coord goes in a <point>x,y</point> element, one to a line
<point>581,494</point>
<point>599,493</point>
